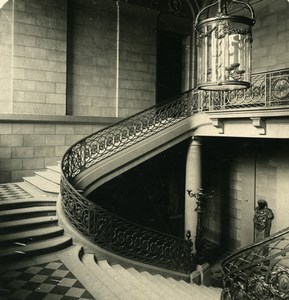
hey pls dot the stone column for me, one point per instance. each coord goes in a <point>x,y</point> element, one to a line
<point>193,183</point>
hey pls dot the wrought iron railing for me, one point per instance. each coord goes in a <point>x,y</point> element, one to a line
<point>126,238</point>
<point>259,271</point>
<point>106,229</point>
<point>119,235</point>
<point>126,133</point>
<point>268,90</point>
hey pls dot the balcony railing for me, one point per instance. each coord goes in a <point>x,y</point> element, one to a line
<point>259,271</point>
<point>268,90</point>
<point>121,236</point>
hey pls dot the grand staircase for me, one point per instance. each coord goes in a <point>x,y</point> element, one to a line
<point>29,227</point>
<point>107,281</point>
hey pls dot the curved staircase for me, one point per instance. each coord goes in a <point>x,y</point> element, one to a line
<point>106,281</point>
<point>29,227</point>
<point>33,228</point>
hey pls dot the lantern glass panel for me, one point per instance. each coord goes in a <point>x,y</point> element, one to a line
<point>224,49</point>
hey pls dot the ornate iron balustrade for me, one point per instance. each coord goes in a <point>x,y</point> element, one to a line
<point>128,239</point>
<point>106,229</point>
<point>270,89</point>
<point>126,133</point>
<point>259,271</point>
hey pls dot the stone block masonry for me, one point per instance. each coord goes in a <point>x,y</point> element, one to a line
<point>137,68</point>
<point>270,36</point>
<point>6,58</point>
<point>81,58</point>
<point>39,62</point>
<point>91,58</point>
<point>31,144</point>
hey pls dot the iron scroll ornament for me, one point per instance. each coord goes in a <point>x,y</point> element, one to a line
<point>280,88</point>
<point>110,231</point>
<point>222,29</point>
<point>256,273</point>
<point>113,139</point>
<point>92,220</point>
<point>123,237</point>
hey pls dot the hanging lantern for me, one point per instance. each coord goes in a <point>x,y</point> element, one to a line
<point>224,44</point>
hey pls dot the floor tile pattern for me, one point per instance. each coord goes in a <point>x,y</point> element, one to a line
<point>11,191</point>
<point>48,281</point>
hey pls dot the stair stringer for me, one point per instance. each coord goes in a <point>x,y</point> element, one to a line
<point>103,171</point>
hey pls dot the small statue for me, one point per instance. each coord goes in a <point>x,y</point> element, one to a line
<point>262,220</point>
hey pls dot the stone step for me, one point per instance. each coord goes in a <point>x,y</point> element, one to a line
<point>50,176</point>
<point>21,203</point>
<point>43,184</point>
<point>35,248</point>
<point>27,224</point>
<point>72,260</point>
<point>105,279</point>
<point>149,293</point>
<point>35,192</point>
<point>116,282</point>
<point>132,290</point>
<point>166,285</point>
<point>151,284</point>
<point>27,212</point>
<point>206,292</point>
<point>190,289</point>
<point>162,283</point>
<point>55,169</point>
<point>30,235</point>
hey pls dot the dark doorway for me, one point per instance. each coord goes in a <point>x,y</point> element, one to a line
<point>169,65</point>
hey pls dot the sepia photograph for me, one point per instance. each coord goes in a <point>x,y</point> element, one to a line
<point>144,149</point>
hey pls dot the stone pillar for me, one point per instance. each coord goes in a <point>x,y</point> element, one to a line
<point>193,183</point>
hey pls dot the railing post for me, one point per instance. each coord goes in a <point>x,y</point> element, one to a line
<point>200,196</point>
<point>267,89</point>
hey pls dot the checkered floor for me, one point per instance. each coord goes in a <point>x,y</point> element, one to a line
<point>11,191</point>
<point>49,281</point>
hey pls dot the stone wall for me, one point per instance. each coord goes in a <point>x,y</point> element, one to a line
<point>29,144</point>
<point>111,58</point>
<point>137,57</point>
<point>240,172</point>
<point>39,61</point>
<point>84,58</point>
<point>222,169</point>
<point>58,58</point>
<point>6,41</point>
<point>270,36</point>
<point>91,58</point>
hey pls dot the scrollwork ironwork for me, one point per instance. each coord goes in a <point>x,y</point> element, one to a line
<point>263,267</point>
<point>270,89</point>
<point>279,281</point>
<point>258,289</point>
<point>113,139</point>
<point>123,237</point>
<point>128,239</point>
<point>280,88</point>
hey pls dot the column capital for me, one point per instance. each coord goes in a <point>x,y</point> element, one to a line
<point>195,141</point>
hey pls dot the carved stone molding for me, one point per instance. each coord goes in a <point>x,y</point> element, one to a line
<point>260,124</point>
<point>219,124</point>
